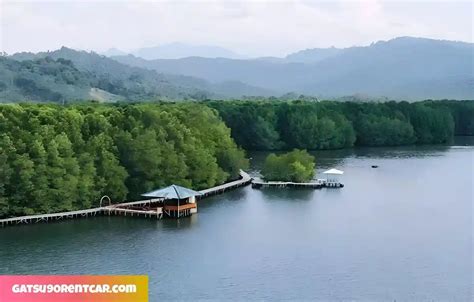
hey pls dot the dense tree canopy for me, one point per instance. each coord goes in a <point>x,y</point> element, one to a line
<point>296,166</point>
<point>56,158</point>
<point>275,125</point>
<point>462,112</point>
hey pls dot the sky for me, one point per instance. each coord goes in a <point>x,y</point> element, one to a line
<point>251,28</point>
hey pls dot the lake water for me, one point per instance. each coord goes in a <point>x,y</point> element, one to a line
<point>402,232</point>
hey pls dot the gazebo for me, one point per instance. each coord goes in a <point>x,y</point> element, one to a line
<point>332,176</point>
<point>180,201</point>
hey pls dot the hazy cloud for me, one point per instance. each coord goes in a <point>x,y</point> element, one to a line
<point>247,27</point>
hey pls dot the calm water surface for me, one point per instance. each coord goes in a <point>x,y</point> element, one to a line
<point>400,232</point>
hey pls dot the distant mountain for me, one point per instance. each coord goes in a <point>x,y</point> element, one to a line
<point>114,52</point>
<point>313,55</point>
<point>182,50</point>
<point>68,74</point>
<point>401,68</point>
<point>259,73</point>
<point>271,59</point>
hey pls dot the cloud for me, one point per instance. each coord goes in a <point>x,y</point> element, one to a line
<point>248,27</point>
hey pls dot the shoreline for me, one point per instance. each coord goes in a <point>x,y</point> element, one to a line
<point>244,180</point>
<point>450,144</point>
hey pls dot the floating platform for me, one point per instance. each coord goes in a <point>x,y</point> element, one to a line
<point>333,185</point>
<point>319,184</point>
<point>285,184</point>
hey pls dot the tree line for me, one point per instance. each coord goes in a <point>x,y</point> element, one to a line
<point>312,125</point>
<point>60,158</point>
<point>55,158</point>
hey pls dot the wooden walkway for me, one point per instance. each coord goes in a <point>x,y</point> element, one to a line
<point>111,210</point>
<point>49,217</point>
<point>136,203</point>
<point>244,180</point>
<point>284,184</point>
<point>318,184</point>
<point>119,209</point>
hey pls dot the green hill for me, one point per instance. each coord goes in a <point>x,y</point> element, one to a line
<point>42,80</point>
<point>128,82</point>
<point>114,80</point>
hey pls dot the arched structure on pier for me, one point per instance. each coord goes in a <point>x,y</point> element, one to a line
<point>102,199</point>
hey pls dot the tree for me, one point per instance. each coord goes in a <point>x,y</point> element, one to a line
<point>296,166</point>
<point>6,171</point>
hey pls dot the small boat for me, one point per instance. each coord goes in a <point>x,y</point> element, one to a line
<point>375,166</point>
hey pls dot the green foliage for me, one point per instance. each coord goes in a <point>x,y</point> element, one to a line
<point>313,125</point>
<point>296,166</point>
<point>55,158</point>
<point>304,125</point>
<point>431,125</point>
<point>383,131</point>
<point>462,113</point>
<point>42,80</point>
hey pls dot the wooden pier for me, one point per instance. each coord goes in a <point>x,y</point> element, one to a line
<point>143,202</point>
<point>49,217</point>
<point>318,184</point>
<point>285,184</point>
<point>244,180</point>
<point>158,213</point>
<point>176,211</point>
<point>128,208</point>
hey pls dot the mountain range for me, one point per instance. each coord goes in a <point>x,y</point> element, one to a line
<point>177,50</point>
<point>401,68</point>
<point>41,76</point>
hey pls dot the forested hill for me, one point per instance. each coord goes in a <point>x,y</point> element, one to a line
<point>402,69</point>
<point>41,79</point>
<point>276,125</point>
<point>44,80</point>
<point>60,158</point>
<point>118,81</point>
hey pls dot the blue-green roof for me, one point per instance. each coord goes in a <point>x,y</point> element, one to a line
<point>172,192</point>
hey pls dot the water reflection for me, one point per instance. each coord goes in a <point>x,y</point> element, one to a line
<point>225,198</point>
<point>286,194</point>
<point>172,224</point>
<point>401,152</point>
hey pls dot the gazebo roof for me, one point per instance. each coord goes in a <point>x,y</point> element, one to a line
<point>334,172</point>
<point>172,192</point>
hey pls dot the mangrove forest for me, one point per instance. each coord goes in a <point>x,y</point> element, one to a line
<point>55,158</point>
<point>277,125</point>
<point>60,158</point>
